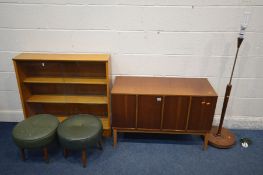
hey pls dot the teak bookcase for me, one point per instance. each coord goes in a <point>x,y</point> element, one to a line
<point>64,85</point>
<point>163,105</point>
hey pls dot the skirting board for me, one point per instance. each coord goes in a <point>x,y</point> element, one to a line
<point>240,122</point>
<point>11,116</point>
<point>234,122</point>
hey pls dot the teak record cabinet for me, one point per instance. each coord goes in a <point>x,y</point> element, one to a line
<point>64,85</point>
<point>163,105</point>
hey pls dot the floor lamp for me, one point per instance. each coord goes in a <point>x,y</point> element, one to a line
<point>221,137</point>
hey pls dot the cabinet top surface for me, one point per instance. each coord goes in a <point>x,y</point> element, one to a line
<point>163,86</point>
<point>61,57</point>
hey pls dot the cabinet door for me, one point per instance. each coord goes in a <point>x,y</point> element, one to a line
<point>175,112</point>
<point>149,112</point>
<point>202,113</point>
<point>123,111</point>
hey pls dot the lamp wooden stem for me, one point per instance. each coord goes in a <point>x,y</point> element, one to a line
<point>221,137</point>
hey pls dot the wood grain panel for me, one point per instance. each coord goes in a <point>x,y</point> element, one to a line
<point>202,113</point>
<point>71,109</point>
<point>63,69</point>
<point>84,69</point>
<point>175,112</point>
<point>209,112</point>
<point>67,89</point>
<point>149,112</point>
<point>124,111</point>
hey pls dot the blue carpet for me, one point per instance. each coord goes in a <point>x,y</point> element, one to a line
<point>145,154</point>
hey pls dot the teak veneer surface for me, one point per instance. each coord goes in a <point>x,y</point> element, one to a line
<point>163,86</point>
<point>61,57</point>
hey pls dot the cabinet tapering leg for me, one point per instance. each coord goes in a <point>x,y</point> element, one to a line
<point>205,142</point>
<point>115,135</point>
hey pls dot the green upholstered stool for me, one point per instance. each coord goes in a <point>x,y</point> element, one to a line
<point>79,132</point>
<point>36,131</point>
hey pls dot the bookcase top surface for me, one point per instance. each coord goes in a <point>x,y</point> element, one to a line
<point>163,86</point>
<point>61,57</point>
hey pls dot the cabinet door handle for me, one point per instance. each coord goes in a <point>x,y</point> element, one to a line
<point>203,102</point>
<point>208,103</point>
<point>158,99</point>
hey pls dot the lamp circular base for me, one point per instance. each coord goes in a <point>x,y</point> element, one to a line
<point>225,140</point>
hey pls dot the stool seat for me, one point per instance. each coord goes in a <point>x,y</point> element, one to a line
<point>35,131</point>
<point>80,130</point>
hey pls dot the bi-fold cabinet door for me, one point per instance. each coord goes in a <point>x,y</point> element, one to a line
<point>148,109</point>
<point>163,112</point>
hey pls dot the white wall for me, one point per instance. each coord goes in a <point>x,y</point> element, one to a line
<point>144,37</point>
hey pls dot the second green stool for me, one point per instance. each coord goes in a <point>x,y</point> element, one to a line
<point>79,132</point>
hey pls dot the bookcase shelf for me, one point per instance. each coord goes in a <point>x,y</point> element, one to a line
<point>67,99</point>
<point>65,80</point>
<point>64,85</point>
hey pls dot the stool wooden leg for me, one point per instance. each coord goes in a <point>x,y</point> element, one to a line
<point>45,154</point>
<point>65,153</point>
<point>84,156</point>
<point>100,145</point>
<point>22,154</point>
